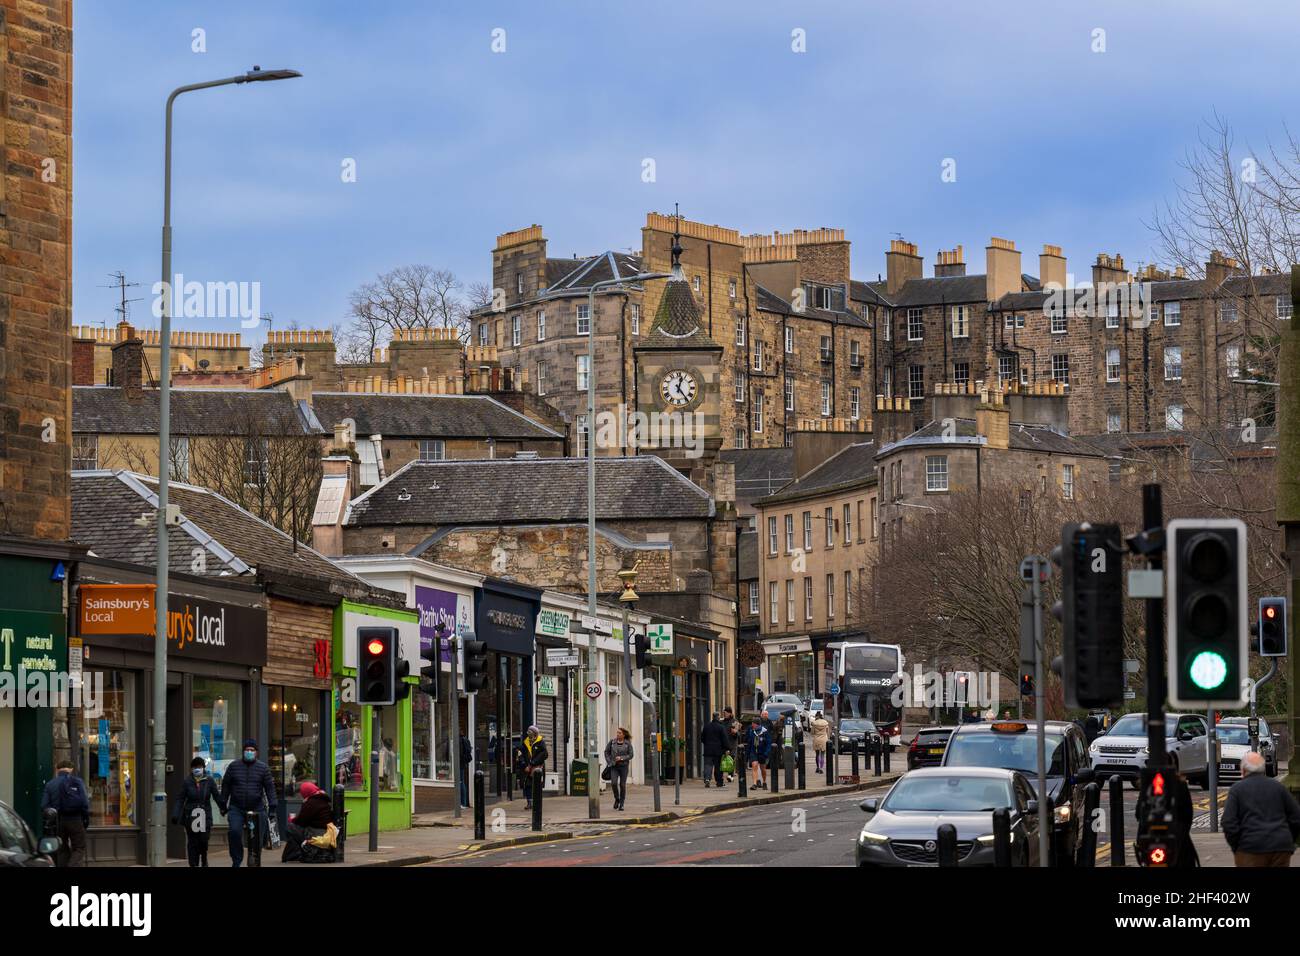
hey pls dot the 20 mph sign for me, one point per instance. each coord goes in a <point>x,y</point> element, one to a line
<point>593,689</point>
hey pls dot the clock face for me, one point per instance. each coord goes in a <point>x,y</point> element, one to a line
<point>678,388</point>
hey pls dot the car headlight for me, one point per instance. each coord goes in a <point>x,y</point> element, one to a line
<point>1095,748</point>
<point>1062,814</point>
<point>873,838</point>
<point>1145,751</point>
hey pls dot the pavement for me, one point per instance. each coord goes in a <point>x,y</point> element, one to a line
<point>439,837</point>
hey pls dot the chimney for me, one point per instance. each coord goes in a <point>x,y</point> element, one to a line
<point>901,263</point>
<point>1219,268</point>
<point>1109,269</point>
<point>128,362</point>
<point>83,361</point>
<point>812,448</point>
<point>331,503</point>
<point>993,420</point>
<point>1051,267</point>
<point>1002,273</point>
<point>950,263</point>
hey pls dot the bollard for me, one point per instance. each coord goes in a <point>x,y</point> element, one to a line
<point>1001,837</point>
<point>1116,821</point>
<point>830,763</point>
<point>788,754</point>
<point>853,764</point>
<point>773,764</point>
<point>537,785</point>
<point>803,770</point>
<point>742,772</point>
<point>1091,801</point>
<point>877,746</point>
<point>480,810</point>
<point>947,845</point>
<point>888,749</point>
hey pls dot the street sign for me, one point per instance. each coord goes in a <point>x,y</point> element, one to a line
<point>593,689</point>
<point>590,623</point>
<point>561,657</point>
<point>835,690</point>
<point>1131,666</point>
<point>547,685</point>
<point>1130,695</point>
<point>661,638</point>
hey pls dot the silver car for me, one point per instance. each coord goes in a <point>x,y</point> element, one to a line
<point>1122,750</point>
<point>1267,740</point>
<point>903,829</point>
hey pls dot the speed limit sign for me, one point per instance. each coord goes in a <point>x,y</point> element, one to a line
<point>593,689</point>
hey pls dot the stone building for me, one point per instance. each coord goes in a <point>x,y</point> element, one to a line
<point>191,351</point>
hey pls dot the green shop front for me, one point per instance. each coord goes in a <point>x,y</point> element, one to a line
<point>354,725</point>
<point>33,648</point>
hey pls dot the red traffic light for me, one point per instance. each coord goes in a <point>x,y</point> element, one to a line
<point>1157,856</point>
<point>374,647</point>
<point>1158,785</point>
<point>1270,611</point>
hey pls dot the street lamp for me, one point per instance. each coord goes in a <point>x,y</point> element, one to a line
<point>593,789</point>
<point>158,810</point>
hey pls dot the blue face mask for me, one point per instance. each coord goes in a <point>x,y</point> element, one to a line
<point>197,771</point>
<point>250,755</point>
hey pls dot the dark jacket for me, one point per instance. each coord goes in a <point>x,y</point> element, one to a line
<point>245,784</point>
<point>466,752</point>
<point>1261,816</point>
<point>715,739</point>
<point>317,812</point>
<point>197,794</point>
<point>67,794</point>
<point>758,743</point>
<point>536,758</point>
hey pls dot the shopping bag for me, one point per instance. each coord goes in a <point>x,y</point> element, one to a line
<point>728,764</point>
<point>607,773</point>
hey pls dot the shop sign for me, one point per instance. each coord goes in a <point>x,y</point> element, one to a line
<point>547,685</point>
<point>321,659</point>
<point>196,628</point>
<point>561,657</point>
<point>553,623</point>
<point>661,638</point>
<point>32,641</point>
<point>408,641</point>
<point>440,613</point>
<point>506,622</point>
<point>117,609</point>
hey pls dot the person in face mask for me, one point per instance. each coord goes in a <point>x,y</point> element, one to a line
<point>246,784</point>
<point>193,811</point>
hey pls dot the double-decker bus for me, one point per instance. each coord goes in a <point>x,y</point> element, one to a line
<point>868,674</point>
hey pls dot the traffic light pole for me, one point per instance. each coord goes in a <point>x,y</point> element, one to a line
<point>458,771</point>
<point>1153,522</point>
<point>374,778</point>
<point>1044,820</point>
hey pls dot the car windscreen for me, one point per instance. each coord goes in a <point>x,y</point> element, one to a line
<point>1135,725</point>
<point>879,658</point>
<point>1009,751</point>
<point>1230,734</point>
<point>956,794</point>
<point>856,726</point>
<point>933,738</point>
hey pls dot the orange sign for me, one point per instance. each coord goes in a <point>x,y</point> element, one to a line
<point>117,609</point>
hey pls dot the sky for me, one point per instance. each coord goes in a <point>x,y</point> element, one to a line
<point>465,120</point>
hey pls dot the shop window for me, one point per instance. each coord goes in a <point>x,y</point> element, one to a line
<point>349,746</point>
<point>294,754</point>
<point>390,749</point>
<point>109,758</point>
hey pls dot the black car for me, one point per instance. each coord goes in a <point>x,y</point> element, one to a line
<point>857,730</point>
<point>927,747</point>
<point>19,846</point>
<point>1012,744</point>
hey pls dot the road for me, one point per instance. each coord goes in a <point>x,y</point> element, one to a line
<point>819,831</point>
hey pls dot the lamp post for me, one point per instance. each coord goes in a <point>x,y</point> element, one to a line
<point>158,809</point>
<point>593,750</point>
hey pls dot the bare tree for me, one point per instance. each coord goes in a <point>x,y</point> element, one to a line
<point>408,297</point>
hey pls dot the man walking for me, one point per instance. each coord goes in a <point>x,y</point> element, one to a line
<point>66,793</point>
<point>1261,819</point>
<point>758,744</point>
<point>532,757</point>
<point>246,783</point>
<point>716,742</point>
<point>466,760</point>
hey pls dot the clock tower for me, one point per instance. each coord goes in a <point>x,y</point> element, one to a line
<point>677,381</point>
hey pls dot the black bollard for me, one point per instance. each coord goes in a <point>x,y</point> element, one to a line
<point>1091,801</point>
<point>773,765</point>
<point>742,773</point>
<point>853,765</point>
<point>877,746</point>
<point>538,785</point>
<point>480,808</point>
<point>887,750</point>
<point>788,754</point>
<point>803,771</point>
<point>830,763</point>
<point>1001,837</point>
<point>947,845</point>
<point>1116,821</point>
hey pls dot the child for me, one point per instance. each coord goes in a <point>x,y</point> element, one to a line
<point>193,810</point>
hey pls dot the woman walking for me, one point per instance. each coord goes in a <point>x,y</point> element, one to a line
<point>618,758</point>
<point>821,731</point>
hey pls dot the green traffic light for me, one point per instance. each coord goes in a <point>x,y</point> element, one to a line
<point>1209,670</point>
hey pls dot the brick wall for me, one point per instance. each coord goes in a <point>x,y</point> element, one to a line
<point>35,247</point>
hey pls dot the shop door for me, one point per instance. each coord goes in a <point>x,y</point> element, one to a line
<point>178,763</point>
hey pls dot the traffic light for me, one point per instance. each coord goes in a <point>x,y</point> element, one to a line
<point>642,650</point>
<point>1026,685</point>
<point>1207,630</point>
<point>429,674</point>
<point>475,664</point>
<point>376,665</point>
<point>1272,627</point>
<point>401,689</point>
<point>1091,612</point>
<point>1158,843</point>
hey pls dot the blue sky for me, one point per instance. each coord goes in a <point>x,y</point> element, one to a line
<point>455,143</point>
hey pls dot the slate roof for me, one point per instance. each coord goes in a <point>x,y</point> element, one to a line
<point>760,471</point>
<point>1205,445</point>
<point>769,301</point>
<point>106,504</point>
<point>528,491</point>
<point>852,465</point>
<point>676,323</point>
<point>937,290</point>
<point>106,410</point>
<point>427,416</point>
<point>1022,437</point>
<point>583,272</point>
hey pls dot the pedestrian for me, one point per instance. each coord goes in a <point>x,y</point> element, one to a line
<point>193,811</point>
<point>466,760</point>
<point>1261,819</point>
<point>715,742</point>
<point>67,795</point>
<point>758,744</point>
<point>733,738</point>
<point>532,759</point>
<point>246,785</point>
<point>618,758</point>
<point>316,813</point>
<point>821,734</point>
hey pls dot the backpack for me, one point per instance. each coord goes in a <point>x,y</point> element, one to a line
<point>72,797</point>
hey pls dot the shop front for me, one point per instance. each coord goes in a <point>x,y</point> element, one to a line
<point>33,639</point>
<point>505,618</point>
<point>356,730</point>
<point>216,648</point>
<point>791,667</point>
<point>684,691</point>
<point>553,692</point>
